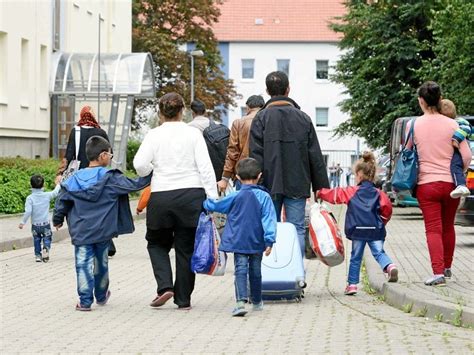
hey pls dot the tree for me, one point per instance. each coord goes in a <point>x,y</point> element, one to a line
<point>453,66</point>
<point>385,43</point>
<point>163,28</point>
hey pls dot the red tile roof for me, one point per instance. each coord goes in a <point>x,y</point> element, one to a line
<point>283,20</point>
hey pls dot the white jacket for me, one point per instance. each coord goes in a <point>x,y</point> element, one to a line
<point>177,154</point>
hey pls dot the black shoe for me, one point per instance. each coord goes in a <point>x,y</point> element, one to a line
<point>45,255</point>
<point>447,273</point>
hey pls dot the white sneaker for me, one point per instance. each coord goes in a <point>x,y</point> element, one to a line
<point>460,191</point>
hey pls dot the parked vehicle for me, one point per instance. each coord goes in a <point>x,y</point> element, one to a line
<point>397,139</point>
<point>465,215</point>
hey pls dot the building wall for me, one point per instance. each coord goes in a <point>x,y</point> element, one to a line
<point>305,89</point>
<point>24,73</point>
<point>26,44</point>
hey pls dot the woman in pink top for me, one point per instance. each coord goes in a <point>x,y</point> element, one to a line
<point>432,135</point>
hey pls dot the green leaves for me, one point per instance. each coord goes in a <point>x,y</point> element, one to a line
<point>161,27</point>
<point>385,44</point>
<point>15,174</point>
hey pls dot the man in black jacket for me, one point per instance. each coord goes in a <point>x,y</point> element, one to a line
<point>284,142</point>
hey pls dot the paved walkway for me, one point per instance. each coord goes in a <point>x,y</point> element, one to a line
<point>37,314</point>
<point>406,245</point>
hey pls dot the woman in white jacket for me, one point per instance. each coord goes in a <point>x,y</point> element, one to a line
<point>182,177</point>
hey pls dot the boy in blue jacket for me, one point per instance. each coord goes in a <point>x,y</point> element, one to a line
<point>95,203</point>
<point>250,230</point>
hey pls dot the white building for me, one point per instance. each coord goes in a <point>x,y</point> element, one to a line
<point>30,31</point>
<point>258,37</point>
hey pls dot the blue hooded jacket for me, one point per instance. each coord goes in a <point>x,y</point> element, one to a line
<point>251,220</point>
<point>96,205</point>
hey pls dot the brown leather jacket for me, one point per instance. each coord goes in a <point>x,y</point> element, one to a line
<point>238,148</point>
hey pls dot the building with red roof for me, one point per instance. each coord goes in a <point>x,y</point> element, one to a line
<point>258,37</point>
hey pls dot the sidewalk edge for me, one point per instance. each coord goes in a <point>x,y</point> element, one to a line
<point>409,301</point>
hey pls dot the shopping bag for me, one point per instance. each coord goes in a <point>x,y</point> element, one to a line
<point>220,257</point>
<point>406,169</point>
<point>203,256</point>
<point>325,236</point>
<point>74,164</point>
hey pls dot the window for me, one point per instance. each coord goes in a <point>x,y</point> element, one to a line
<point>3,65</point>
<point>43,77</point>
<point>25,72</point>
<point>322,114</point>
<point>322,69</point>
<point>284,66</point>
<point>248,68</point>
<point>243,111</point>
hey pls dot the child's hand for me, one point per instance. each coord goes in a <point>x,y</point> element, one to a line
<point>21,225</point>
<point>58,226</point>
<point>57,180</point>
<point>455,143</point>
<point>268,251</point>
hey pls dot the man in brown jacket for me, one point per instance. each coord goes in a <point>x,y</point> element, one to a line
<point>238,148</point>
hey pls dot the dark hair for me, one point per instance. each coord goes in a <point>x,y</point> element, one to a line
<point>198,107</point>
<point>248,169</point>
<point>37,181</point>
<point>171,105</point>
<point>277,83</point>
<point>95,145</point>
<point>255,101</point>
<point>431,93</point>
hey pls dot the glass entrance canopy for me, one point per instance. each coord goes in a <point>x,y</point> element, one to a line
<point>120,74</point>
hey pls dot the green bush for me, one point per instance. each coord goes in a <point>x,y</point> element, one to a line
<point>15,174</point>
<point>132,148</point>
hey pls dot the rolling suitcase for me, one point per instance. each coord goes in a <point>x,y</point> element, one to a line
<point>283,276</point>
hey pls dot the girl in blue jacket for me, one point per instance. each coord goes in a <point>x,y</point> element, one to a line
<point>368,210</point>
<point>250,230</point>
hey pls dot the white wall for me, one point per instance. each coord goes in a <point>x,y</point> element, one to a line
<point>25,121</point>
<point>24,99</point>
<point>81,26</point>
<point>308,92</point>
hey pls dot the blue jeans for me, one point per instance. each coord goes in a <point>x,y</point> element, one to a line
<point>41,233</point>
<point>92,272</point>
<point>248,267</point>
<point>457,169</point>
<point>294,209</point>
<point>358,246</point>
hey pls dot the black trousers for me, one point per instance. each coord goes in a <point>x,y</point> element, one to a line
<point>159,245</point>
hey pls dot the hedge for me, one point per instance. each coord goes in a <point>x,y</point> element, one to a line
<point>15,174</point>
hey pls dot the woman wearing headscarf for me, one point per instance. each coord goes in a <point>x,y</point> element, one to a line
<point>88,127</point>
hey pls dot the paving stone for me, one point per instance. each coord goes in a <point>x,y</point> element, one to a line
<point>37,314</point>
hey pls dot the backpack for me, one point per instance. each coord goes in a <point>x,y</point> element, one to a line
<point>217,140</point>
<point>363,221</point>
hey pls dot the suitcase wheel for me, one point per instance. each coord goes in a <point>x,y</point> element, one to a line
<point>301,284</point>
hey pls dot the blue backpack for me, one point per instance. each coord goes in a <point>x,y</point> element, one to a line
<point>363,221</point>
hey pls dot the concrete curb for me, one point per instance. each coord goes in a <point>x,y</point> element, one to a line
<point>27,242</point>
<point>400,296</point>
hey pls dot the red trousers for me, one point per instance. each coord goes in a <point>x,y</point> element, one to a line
<point>439,211</point>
